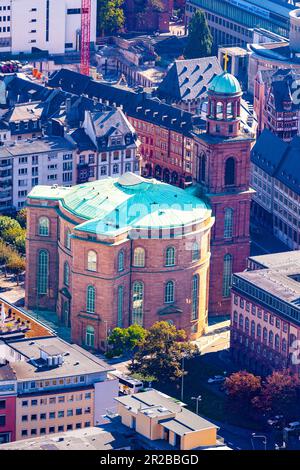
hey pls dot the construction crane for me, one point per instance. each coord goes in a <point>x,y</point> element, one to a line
<point>85,37</point>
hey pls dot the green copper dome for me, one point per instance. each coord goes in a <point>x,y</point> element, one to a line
<point>225,84</point>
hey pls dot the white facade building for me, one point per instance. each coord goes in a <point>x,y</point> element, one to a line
<point>48,25</point>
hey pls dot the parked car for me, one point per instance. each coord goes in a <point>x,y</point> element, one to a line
<point>276,422</point>
<point>216,379</point>
<point>293,427</point>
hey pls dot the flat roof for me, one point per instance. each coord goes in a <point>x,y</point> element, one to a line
<point>155,404</point>
<point>92,438</point>
<point>76,360</point>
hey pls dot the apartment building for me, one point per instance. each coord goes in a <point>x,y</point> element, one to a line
<point>274,176</point>
<point>57,386</point>
<point>6,180</point>
<point>42,25</point>
<point>48,160</point>
<point>265,316</point>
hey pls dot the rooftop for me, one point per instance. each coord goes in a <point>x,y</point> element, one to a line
<point>92,438</point>
<point>76,360</point>
<point>174,416</point>
<point>113,205</point>
<point>18,324</point>
<point>225,84</point>
<point>278,275</point>
<point>189,79</point>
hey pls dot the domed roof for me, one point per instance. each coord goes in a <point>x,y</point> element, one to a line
<point>225,84</point>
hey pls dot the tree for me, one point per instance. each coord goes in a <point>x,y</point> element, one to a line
<point>161,352</point>
<point>7,223</point>
<point>200,40</point>
<point>21,217</point>
<point>279,392</point>
<point>110,16</point>
<point>242,386</point>
<point>16,265</point>
<point>124,341</point>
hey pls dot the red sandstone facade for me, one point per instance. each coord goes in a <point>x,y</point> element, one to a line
<point>70,301</point>
<point>222,168</point>
<point>167,154</point>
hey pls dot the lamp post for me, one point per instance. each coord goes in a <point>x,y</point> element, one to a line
<point>259,436</point>
<point>198,399</point>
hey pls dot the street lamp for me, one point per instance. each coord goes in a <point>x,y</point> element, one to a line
<point>260,436</point>
<point>199,398</point>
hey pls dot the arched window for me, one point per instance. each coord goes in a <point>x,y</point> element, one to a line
<point>202,167</point>
<point>253,328</point>
<point>247,325</point>
<point>195,252</point>
<point>90,336</point>
<point>230,108</point>
<point>44,226</point>
<point>235,317</point>
<point>284,345</point>
<point>227,273</point>
<point>92,261</point>
<point>271,338</point>
<point>90,299</point>
<point>139,257</point>
<point>121,261</point>
<point>277,342</point>
<point>241,322</point>
<point>68,239</point>
<point>220,110</point>
<point>169,292</point>
<point>120,305</point>
<point>228,223</point>
<point>170,256</point>
<point>258,331</point>
<point>43,272</point>
<point>265,335</point>
<point>66,273</point>
<point>230,172</point>
<point>195,297</point>
<point>137,303</point>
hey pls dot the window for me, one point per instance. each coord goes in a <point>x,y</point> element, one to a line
<point>2,404</point>
<point>258,331</point>
<point>271,339</point>
<point>227,272</point>
<point>169,292</point>
<point>66,274</point>
<point>241,321</point>
<point>137,303</point>
<point>230,172</point>
<point>43,272</point>
<point>121,261</point>
<point>228,223</point>
<point>44,226</point>
<point>68,239</point>
<point>139,257</point>
<point>120,306</point>
<point>195,296</point>
<point>277,342</point>
<point>195,252</point>
<point>90,299</point>
<point>92,261</point>
<point>170,256</point>
<point>90,336</point>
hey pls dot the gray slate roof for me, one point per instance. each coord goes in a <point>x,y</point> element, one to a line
<point>189,79</point>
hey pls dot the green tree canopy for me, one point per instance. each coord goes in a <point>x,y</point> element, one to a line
<point>124,341</point>
<point>161,352</point>
<point>200,40</point>
<point>110,16</point>
<point>22,217</point>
